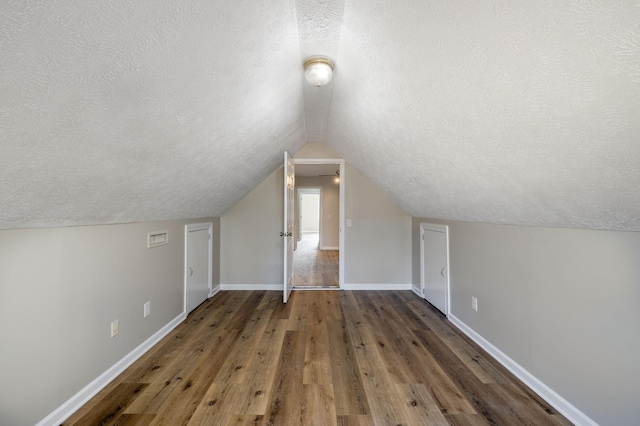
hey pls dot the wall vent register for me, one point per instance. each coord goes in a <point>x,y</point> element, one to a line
<point>157,238</point>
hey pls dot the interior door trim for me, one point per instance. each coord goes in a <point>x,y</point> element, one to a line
<point>343,177</point>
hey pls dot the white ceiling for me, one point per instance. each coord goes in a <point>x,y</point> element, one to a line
<point>522,112</point>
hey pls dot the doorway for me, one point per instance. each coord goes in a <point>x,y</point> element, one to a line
<point>318,257</point>
<point>313,267</point>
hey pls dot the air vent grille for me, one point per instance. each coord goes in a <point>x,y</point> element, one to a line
<point>157,238</point>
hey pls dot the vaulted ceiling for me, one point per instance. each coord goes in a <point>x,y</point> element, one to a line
<point>521,112</point>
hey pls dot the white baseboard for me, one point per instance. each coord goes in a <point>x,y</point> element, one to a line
<point>416,290</point>
<point>249,287</point>
<point>376,287</point>
<point>89,391</point>
<point>329,248</point>
<point>278,287</point>
<point>310,288</point>
<point>214,291</point>
<point>563,406</point>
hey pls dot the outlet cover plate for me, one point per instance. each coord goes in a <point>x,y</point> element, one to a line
<point>147,309</point>
<point>474,303</point>
<point>115,328</point>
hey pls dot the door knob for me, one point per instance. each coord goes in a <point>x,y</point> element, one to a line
<point>282,234</point>
<point>190,271</point>
<point>442,272</point>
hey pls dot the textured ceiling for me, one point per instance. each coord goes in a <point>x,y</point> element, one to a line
<point>523,112</point>
<point>127,111</point>
<point>319,24</point>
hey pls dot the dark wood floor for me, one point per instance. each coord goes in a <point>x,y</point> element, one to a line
<point>325,358</point>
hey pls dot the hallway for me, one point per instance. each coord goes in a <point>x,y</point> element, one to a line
<point>313,267</point>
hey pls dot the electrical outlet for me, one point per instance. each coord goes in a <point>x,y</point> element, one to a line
<point>474,303</point>
<point>115,329</point>
<point>147,309</point>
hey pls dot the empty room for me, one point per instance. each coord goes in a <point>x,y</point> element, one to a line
<point>337,212</point>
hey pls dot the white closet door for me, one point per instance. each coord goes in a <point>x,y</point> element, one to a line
<point>198,258</point>
<point>435,268</point>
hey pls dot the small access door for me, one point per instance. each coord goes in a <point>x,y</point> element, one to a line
<point>435,265</point>
<point>289,222</point>
<point>197,265</point>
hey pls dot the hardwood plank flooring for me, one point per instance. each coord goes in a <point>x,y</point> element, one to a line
<point>313,267</point>
<point>326,358</point>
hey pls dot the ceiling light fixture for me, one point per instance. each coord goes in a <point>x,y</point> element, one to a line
<point>318,70</point>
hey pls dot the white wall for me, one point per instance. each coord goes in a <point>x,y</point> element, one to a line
<point>316,150</point>
<point>562,303</point>
<point>378,242</point>
<point>250,241</point>
<point>310,212</point>
<point>61,288</point>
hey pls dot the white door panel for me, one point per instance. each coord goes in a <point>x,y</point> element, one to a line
<point>435,266</point>
<point>197,265</point>
<point>289,224</point>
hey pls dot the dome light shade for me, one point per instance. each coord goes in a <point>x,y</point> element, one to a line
<point>318,70</point>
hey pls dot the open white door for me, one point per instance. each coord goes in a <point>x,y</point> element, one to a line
<point>289,221</point>
<point>435,265</point>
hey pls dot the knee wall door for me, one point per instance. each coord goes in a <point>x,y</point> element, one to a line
<point>197,265</point>
<point>435,265</point>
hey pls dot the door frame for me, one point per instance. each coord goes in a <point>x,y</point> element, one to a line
<point>341,163</point>
<point>437,228</point>
<point>187,229</point>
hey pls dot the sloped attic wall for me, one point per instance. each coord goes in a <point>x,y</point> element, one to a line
<point>133,111</point>
<point>518,112</point>
<point>521,112</point>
